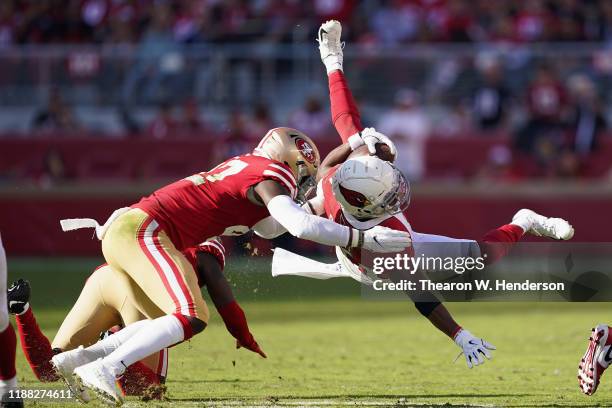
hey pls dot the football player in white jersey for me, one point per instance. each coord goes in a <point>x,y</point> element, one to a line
<point>363,191</point>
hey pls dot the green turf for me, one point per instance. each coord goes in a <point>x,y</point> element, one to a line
<point>327,347</point>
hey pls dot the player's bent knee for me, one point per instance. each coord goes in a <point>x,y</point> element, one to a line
<point>197,325</point>
<point>191,325</point>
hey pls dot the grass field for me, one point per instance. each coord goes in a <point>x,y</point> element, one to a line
<point>328,347</point>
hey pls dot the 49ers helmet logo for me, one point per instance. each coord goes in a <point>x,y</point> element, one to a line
<point>306,150</point>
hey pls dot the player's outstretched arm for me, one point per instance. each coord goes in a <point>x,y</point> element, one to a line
<point>344,111</point>
<point>335,157</point>
<point>474,349</point>
<point>427,303</point>
<point>304,225</point>
<point>222,297</point>
<point>363,143</point>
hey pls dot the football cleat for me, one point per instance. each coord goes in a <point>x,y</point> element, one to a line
<point>330,45</point>
<point>65,363</point>
<point>97,378</point>
<point>18,297</point>
<point>541,226</point>
<point>596,359</point>
<point>6,401</point>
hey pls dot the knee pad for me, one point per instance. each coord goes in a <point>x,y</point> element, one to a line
<point>191,325</point>
<point>197,325</point>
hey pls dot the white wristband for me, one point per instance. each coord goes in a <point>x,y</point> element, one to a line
<point>355,238</point>
<point>355,141</point>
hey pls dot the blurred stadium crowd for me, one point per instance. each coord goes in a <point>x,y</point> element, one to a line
<point>530,76</point>
<point>378,21</point>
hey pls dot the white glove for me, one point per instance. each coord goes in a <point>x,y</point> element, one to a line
<point>370,137</point>
<point>473,348</point>
<point>381,239</point>
<point>330,45</point>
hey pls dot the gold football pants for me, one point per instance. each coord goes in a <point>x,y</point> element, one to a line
<point>109,298</point>
<point>136,245</point>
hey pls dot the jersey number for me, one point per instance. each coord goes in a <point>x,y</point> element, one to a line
<point>223,170</point>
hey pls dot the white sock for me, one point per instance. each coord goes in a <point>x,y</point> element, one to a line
<point>160,333</point>
<point>9,384</point>
<point>109,344</point>
<point>524,223</point>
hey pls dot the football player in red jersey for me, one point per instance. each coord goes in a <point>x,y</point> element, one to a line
<point>110,300</point>
<point>8,340</point>
<point>364,192</point>
<point>145,242</point>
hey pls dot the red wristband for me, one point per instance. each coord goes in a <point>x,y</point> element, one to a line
<point>456,331</point>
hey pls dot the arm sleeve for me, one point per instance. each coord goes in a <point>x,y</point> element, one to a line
<point>344,111</point>
<point>269,228</point>
<point>316,205</point>
<point>236,322</point>
<point>303,225</point>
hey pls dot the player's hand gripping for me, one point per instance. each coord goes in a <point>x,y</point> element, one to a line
<point>249,343</point>
<point>382,239</point>
<point>370,137</point>
<point>473,348</point>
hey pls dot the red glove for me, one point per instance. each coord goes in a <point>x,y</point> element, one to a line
<point>236,323</point>
<point>253,346</point>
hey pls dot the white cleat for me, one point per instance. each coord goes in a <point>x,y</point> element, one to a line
<point>97,378</point>
<point>541,226</point>
<point>596,359</point>
<point>330,45</point>
<point>65,363</point>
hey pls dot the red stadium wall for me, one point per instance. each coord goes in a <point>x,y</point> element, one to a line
<point>90,158</point>
<point>29,214</point>
<point>30,225</point>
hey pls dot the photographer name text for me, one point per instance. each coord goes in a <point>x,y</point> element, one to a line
<point>479,285</point>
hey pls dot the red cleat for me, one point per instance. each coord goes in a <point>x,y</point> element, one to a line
<point>596,359</point>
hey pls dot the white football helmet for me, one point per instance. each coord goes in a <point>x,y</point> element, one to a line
<point>367,187</point>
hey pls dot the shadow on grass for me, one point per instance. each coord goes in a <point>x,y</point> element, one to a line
<point>355,396</point>
<point>235,380</point>
<point>378,400</point>
<point>390,400</point>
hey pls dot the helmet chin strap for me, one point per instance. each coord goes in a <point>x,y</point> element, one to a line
<point>364,224</point>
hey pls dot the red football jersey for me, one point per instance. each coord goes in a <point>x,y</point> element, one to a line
<point>333,211</point>
<point>215,203</point>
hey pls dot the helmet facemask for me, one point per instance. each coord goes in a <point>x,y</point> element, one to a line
<point>398,199</point>
<point>306,183</point>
